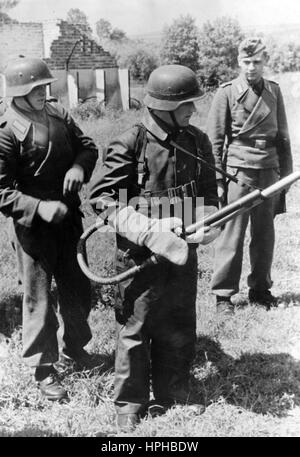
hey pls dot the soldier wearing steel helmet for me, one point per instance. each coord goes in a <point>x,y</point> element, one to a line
<point>44,161</point>
<point>248,116</point>
<point>155,311</point>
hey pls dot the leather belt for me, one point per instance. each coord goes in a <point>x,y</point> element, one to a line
<point>255,143</point>
<point>175,193</point>
<point>181,192</point>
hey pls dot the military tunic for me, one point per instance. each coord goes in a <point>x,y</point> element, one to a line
<point>250,138</point>
<point>155,311</point>
<point>36,151</point>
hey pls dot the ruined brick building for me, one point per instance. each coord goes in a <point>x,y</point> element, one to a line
<point>71,56</point>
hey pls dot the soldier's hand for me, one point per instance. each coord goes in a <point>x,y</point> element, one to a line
<point>74,179</point>
<point>52,211</point>
<point>204,235</point>
<point>163,238</point>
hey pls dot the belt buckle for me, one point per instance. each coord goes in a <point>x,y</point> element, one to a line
<point>260,144</point>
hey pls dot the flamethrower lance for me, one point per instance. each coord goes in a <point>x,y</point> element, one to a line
<point>215,220</point>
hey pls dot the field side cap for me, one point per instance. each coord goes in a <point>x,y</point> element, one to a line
<point>169,86</point>
<point>250,47</point>
<point>24,74</point>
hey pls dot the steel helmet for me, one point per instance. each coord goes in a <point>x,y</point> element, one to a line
<point>169,86</point>
<point>24,73</point>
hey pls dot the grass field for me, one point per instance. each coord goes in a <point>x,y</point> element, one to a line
<point>246,372</point>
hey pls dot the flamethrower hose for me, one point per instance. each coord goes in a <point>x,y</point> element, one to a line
<point>81,258</point>
<point>215,220</point>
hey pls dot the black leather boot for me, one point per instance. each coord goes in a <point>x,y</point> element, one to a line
<point>262,298</point>
<point>48,383</point>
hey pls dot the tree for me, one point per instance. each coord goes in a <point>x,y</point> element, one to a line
<point>106,32</point>
<point>103,29</point>
<point>180,43</point>
<point>6,5</point>
<point>218,51</point>
<point>79,19</point>
<point>139,59</point>
<point>113,40</point>
<point>117,34</point>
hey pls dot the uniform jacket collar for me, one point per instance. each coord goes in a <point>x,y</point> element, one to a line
<point>20,118</point>
<point>19,122</point>
<point>259,107</point>
<point>153,127</point>
<point>242,86</point>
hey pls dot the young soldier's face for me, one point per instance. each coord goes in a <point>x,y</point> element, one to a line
<point>252,67</point>
<point>37,97</point>
<point>184,113</point>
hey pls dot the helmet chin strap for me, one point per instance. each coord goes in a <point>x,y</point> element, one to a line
<point>27,101</point>
<point>173,117</point>
<point>169,128</point>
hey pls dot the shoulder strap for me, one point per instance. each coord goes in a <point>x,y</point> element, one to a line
<point>140,151</point>
<point>195,133</point>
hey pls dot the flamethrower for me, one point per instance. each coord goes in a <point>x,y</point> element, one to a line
<point>217,219</point>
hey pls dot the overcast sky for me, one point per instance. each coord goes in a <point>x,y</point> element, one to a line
<point>147,16</point>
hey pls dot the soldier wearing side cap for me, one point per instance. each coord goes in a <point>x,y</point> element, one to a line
<point>44,160</point>
<point>248,129</point>
<point>155,311</point>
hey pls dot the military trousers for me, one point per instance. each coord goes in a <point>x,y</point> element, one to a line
<point>46,252</point>
<point>229,245</point>
<point>156,333</point>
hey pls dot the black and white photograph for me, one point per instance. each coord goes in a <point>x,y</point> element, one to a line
<point>149,224</point>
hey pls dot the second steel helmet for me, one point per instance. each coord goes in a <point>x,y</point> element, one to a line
<point>24,74</point>
<point>169,86</point>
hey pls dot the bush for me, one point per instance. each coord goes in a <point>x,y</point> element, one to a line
<point>140,59</point>
<point>284,57</point>
<point>141,62</point>
<point>213,74</point>
<point>218,51</point>
<point>89,109</point>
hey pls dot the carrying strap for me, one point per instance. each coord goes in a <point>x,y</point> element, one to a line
<point>140,153</point>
